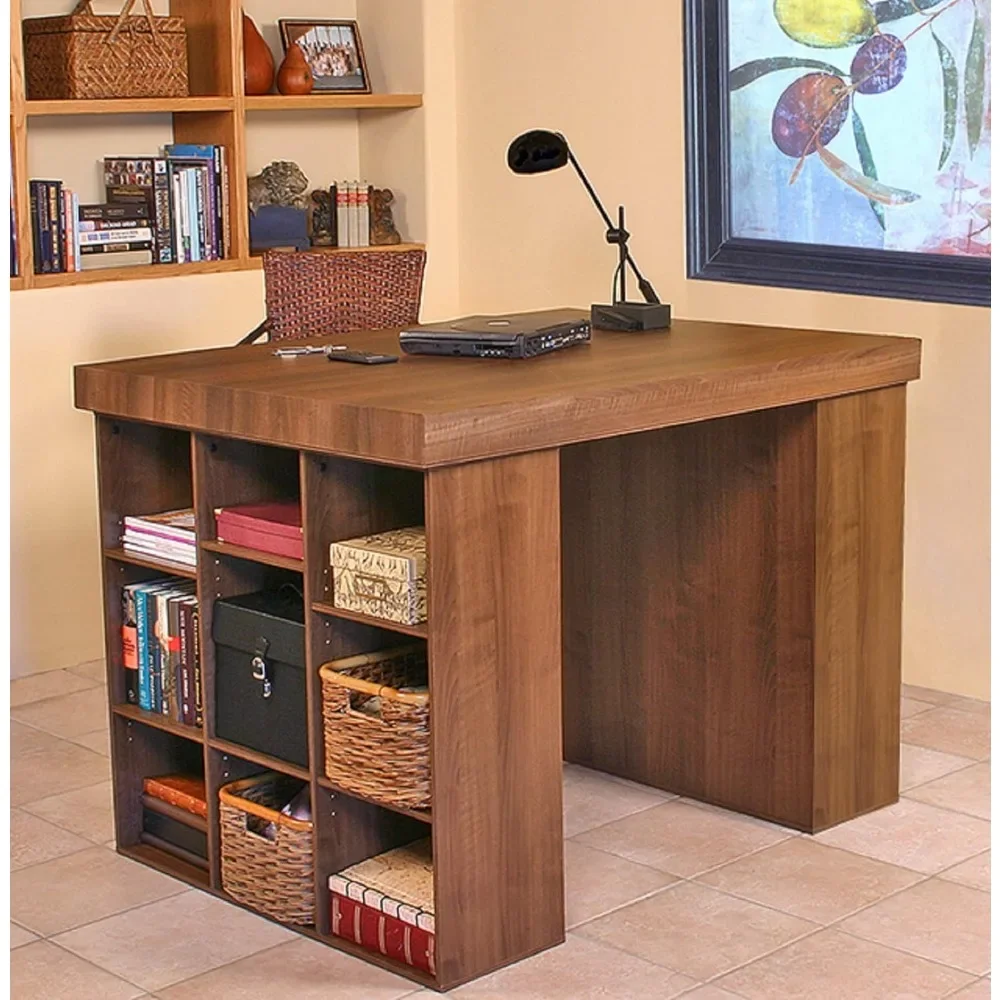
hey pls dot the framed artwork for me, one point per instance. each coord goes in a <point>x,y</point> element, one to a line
<point>840,145</point>
<point>332,50</point>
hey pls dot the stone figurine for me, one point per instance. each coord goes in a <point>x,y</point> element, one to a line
<point>322,219</point>
<point>382,229</point>
<point>279,183</point>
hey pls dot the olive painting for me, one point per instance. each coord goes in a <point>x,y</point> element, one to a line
<point>861,124</point>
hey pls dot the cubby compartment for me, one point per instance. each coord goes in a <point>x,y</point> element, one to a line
<point>142,751</point>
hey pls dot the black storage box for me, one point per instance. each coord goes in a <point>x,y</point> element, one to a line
<point>260,677</point>
<point>173,831</point>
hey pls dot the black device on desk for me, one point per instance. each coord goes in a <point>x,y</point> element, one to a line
<point>513,335</point>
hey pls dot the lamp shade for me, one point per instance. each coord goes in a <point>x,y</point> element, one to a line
<point>537,152</point>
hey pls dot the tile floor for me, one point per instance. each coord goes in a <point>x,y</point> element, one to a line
<point>665,897</point>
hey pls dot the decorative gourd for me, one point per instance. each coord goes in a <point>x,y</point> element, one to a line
<point>295,76</point>
<point>258,63</point>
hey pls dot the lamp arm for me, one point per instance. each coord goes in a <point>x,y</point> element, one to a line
<point>644,286</point>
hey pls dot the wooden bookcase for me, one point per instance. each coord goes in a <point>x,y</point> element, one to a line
<point>215,112</point>
<point>144,468</point>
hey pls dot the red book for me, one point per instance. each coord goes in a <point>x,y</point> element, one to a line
<point>380,932</point>
<point>182,790</point>
<point>274,527</point>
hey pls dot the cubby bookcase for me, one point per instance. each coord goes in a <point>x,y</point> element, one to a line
<point>216,112</point>
<point>144,468</point>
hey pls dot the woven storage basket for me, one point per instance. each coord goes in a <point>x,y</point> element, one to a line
<point>313,293</point>
<point>272,876</point>
<point>382,753</point>
<point>86,56</point>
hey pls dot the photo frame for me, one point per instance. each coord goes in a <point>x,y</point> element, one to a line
<point>333,51</point>
<point>716,178</point>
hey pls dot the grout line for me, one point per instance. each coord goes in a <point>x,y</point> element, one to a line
<point>621,906</point>
<point>913,954</point>
<point>100,968</point>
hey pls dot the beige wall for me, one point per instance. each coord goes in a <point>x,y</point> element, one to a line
<point>496,241</point>
<point>536,241</point>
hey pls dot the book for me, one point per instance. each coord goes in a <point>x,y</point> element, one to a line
<point>364,215</point>
<point>56,229</point>
<point>128,258</point>
<point>185,611</point>
<point>130,647</point>
<point>343,217</point>
<point>185,791</point>
<point>69,249</point>
<point>274,527</point>
<point>143,637</point>
<point>75,216</point>
<point>179,524</point>
<point>208,160</point>
<point>199,697</point>
<point>124,247</point>
<point>143,180</point>
<point>126,212</point>
<point>354,237</point>
<point>100,236</point>
<point>172,657</point>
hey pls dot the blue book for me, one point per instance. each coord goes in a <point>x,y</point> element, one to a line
<point>142,647</point>
<point>191,176</point>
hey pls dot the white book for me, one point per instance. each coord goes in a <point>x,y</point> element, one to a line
<point>364,216</point>
<point>343,216</point>
<point>76,230</point>
<point>96,238</point>
<point>125,258</point>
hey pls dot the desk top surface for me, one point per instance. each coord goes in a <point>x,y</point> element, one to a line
<point>425,412</point>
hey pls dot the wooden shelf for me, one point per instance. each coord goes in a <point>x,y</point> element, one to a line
<point>420,631</point>
<point>129,106</point>
<point>168,864</point>
<point>17,283</point>
<point>140,272</point>
<point>333,102</point>
<point>158,721</point>
<point>256,757</point>
<point>177,569</point>
<point>252,555</point>
<point>423,815</point>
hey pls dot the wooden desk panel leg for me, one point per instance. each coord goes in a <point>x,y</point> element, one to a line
<point>731,610</point>
<point>494,645</point>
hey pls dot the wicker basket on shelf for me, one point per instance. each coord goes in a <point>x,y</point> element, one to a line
<point>267,857</point>
<point>377,737</point>
<point>88,56</point>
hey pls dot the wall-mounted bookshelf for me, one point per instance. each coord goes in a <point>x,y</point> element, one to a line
<point>216,112</point>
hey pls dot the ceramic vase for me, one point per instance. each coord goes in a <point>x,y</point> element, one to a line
<point>258,63</point>
<point>295,76</point>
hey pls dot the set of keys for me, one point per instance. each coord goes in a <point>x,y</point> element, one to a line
<point>337,352</point>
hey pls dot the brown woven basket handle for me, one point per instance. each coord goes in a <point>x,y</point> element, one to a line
<point>123,17</point>
<point>229,795</point>
<point>83,7</point>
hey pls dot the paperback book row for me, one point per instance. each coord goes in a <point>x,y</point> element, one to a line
<point>161,649</point>
<point>170,209</point>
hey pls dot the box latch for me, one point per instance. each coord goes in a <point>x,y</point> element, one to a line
<point>259,665</point>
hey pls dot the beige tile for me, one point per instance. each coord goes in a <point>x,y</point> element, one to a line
<point>710,992</point>
<point>173,939</point>
<point>974,873</point>
<point>86,811</point>
<point>41,971</point>
<point>42,766</point>
<point>299,970</point>
<point>99,741</point>
<point>937,920</point>
<point>682,838</point>
<point>810,880</point>
<point>918,765</point>
<point>591,799</point>
<point>82,887</point>
<point>19,936</point>
<point>579,970</point>
<point>696,930</point>
<point>928,694</point>
<point>70,715</point>
<point>840,967</point>
<point>966,791</point>
<point>912,706</point>
<point>597,882</point>
<point>979,990</point>
<point>912,835</point>
<point>34,841</point>
<point>950,730</point>
<point>26,740</point>
<point>93,670</point>
<point>53,684</point>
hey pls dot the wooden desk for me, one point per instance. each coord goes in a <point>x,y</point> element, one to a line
<point>673,557</point>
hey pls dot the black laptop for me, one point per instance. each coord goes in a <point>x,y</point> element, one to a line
<point>514,335</point>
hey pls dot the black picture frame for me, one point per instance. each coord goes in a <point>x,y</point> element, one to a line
<point>291,30</point>
<point>714,254</point>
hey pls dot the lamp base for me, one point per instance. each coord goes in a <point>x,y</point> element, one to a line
<point>630,316</point>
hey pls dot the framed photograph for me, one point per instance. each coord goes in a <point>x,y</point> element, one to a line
<point>332,50</point>
<point>840,145</point>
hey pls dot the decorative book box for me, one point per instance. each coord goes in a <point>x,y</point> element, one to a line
<point>386,904</point>
<point>267,527</point>
<point>260,678</point>
<point>382,576</point>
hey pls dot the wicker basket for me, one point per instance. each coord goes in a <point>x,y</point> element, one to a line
<point>86,56</point>
<point>380,750</point>
<point>272,876</point>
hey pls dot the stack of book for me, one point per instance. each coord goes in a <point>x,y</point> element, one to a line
<point>161,649</point>
<point>158,210</point>
<point>353,219</point>
<point>169,536</point>
<point>174,814</point>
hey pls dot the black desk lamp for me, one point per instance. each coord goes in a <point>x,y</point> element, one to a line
<point>540,151</point>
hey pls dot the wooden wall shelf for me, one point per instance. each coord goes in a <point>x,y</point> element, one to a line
<point>216,113</point>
